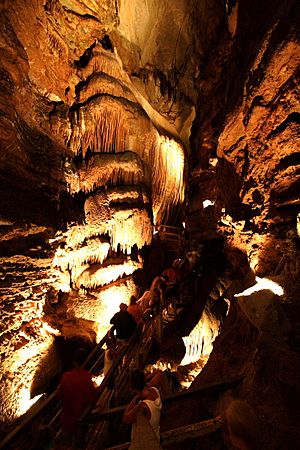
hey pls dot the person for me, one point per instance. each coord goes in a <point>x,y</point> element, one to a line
<point>110,354</point>
<point>173,273</point>
<point>157,291</point>
<point>124,323</point>
<point>143,301</point>
<point>135,310</point>
<point>147,397</point>
<point>76,391</point>
<point>241,427</point>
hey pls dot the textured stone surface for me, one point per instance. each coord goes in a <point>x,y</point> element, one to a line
<point>82,77</point>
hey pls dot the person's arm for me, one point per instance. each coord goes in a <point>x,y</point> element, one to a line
<point>131,410</point>
<point>154,379</point>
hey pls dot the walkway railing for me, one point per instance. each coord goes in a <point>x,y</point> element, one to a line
<point>131,355</point>
<point>171,236</point>
<point>44,405</point>
<point>96,368</point>
<point>171,437</point>
<point>179,434</point>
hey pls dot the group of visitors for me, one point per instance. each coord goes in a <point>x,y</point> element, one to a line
<point>162,284</point>
<point>128,318</point>
<point>77,390</point>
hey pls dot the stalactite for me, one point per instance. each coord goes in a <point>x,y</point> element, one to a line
<point>167,181</point>
<point>103,61</point>
<point>94,277</point>
<point>101,84</point>
<point>95,250</point>
<point>125,227</point>
<point>122,168</point>
<point>166,159</point>
<point>100,127</point>
<point>128,228</point>
<point>126,149</point>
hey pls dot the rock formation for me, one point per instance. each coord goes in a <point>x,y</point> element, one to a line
<point>118,118</point>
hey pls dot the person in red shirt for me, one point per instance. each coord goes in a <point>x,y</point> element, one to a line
<point>177,271</point>
<point>76,391</point>
<point>135,310</point>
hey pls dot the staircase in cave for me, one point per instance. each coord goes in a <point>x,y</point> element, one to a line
<point>171,238</point>
<point>47,412</point>
<point>98,420</point>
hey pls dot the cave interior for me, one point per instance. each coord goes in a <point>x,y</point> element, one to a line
<point>133,134</point>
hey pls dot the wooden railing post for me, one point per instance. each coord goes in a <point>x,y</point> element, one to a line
<point>159,326</point>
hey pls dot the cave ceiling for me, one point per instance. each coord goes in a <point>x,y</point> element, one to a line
<point>90,146</point>
<point>119,116</point>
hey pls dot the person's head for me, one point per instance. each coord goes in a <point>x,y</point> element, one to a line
<point>79,357</point>
<point>110,343</point>
<point>133,300</point>
<point>123,307</point>
<point>241,425</point>
<point>138,380</point>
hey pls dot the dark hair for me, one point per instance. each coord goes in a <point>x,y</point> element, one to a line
<point>133,300</point>
<point>138,379</point>
<point>79,356</point>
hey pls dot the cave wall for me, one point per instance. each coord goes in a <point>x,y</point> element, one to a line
<point>219,78</point>
<point>248,167</point>
<point>63,65</point>
<point>245,161</point>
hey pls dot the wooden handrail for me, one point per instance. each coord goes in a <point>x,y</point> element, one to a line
<point>86,416</point>
<point>179,434</point>
<point>45,403</point>
<point>190,431</point>
<point>202,390</point>
<point>169,227</point>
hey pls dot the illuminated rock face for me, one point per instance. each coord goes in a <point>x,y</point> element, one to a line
<point>130,174</point>
<point>248,137</point>
<point>98,100</point>
<point>98,165</point>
